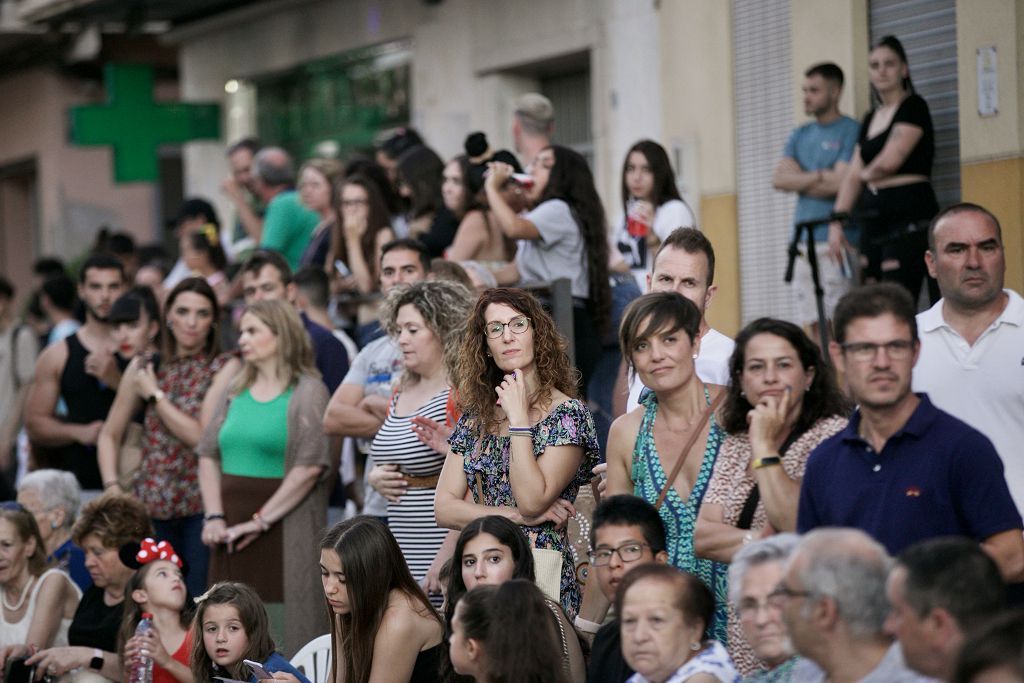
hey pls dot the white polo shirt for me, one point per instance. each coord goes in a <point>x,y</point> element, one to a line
<point>983,385</point>
<point>712,365</point>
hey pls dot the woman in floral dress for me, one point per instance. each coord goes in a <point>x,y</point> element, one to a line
<point>525,444</point>
<point>178,394</point>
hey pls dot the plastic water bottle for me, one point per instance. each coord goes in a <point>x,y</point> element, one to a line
<point>142,667</point>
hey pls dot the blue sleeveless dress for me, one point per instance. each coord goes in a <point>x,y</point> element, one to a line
<point>680,516</point>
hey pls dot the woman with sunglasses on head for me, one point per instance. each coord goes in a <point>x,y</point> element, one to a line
<point>893,161</point>
<point>525,444</point>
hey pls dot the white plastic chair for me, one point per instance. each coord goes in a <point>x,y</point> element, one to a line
<point>314,659</point>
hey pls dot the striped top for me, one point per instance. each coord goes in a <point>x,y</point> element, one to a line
<point>411,519</point>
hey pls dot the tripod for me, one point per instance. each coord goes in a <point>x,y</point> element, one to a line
<point>807,227</point>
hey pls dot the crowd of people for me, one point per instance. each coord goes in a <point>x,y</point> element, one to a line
<point>378,336</point>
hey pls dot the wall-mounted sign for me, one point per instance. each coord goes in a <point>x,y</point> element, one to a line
<point>988,81</point>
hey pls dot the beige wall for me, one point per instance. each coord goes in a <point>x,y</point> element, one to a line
<point>77,193</point>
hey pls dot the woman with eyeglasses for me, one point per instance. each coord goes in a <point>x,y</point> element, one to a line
<point>782,403</point>
<point>525,444</point>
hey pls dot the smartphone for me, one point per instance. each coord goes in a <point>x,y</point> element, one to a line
<point>257,669</point>
<point>17,671</point>
<point>342,269</point>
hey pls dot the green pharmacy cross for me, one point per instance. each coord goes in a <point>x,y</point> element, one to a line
<point>135,125</point>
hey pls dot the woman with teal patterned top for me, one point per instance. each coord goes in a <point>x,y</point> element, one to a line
<point>659,337</point>
<point>525,444</point>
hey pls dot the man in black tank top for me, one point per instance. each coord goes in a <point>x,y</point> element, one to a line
<point>82,370</point>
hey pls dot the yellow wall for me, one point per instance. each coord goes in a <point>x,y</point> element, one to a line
<point>992,147</point>
<point>698,108</point>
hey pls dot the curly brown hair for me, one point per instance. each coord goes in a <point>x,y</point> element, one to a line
<point>116,518</point>
<point>478,375</point>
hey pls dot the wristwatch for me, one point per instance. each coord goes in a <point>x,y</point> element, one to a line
<point>96,663</point>
<point>765,462</point>
<point>155,397</point>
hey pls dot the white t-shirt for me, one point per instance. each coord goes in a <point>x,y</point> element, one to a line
<point>668,217</point>
<point>558,253</point>
<point>712,365</point>
<point>983,385</point>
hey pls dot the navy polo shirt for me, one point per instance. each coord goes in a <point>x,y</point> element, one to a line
<point>328,353</point>
<point>936,476</point>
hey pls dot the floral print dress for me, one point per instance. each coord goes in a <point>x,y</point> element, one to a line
<point>568,424</point>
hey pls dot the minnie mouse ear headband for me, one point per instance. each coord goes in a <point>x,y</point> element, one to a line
<point>479,154</point>
<point>135,555</point>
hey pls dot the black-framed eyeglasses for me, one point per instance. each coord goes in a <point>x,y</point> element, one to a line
<point>518,325</point>
<point>898,349</point>
<point>628,552</point>
<point>783,592</point>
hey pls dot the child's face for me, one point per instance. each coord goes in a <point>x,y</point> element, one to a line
<point>332,574</point>
<point>164,586</point>
<point>224,637</point>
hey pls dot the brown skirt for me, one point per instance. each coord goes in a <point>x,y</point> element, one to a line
<point>259,564</point>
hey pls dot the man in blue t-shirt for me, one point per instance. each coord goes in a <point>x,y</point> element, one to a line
<point>904,471</point>
<point>812,165</point>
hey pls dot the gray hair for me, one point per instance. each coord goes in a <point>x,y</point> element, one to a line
<point>274,167</point>
<point>56,489</point>
<point>775,548</point>
<point>851,568</point>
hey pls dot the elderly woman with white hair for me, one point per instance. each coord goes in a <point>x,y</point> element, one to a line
<point>54,497</point>
<point>755,571</point>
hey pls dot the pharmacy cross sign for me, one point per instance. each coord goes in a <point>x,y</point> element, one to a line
<point>135,125</point>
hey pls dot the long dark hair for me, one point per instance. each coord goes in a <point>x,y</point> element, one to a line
<point>201,287</point>
<point>421,169</point>
<point>253,616</point>
<point>572,182</point>
<point>519,637</point>
<point>894,44</point>
<point>374,566</point>
<point>129,307</point>
<point>377,219</point>
<point>664,187</point>
<point>822,399</point>
<point>509,534</point>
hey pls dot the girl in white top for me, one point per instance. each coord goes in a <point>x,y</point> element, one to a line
<point>651,207</point>
<point>38,604</point>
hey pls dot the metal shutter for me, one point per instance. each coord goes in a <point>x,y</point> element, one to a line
<point>764,118</point>
<point>927,29</point>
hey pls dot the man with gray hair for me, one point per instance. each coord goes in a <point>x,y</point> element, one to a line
<point>53,497</point>
<point>833,602</point>
<point>287,224</point>
<point>754,573</point>
<point>532,126</point>
<point>938,591</point>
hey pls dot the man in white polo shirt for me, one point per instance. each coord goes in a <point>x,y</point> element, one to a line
<point>972,340</point>
<point>685,263</point>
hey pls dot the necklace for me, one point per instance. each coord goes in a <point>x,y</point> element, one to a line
<point>21,600</point>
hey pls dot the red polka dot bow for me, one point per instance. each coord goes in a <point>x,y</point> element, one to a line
<point>150,551</point>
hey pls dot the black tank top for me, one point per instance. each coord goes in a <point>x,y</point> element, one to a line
<point>87,400</point>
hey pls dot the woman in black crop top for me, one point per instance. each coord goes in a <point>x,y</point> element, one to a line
<point>893,161</point>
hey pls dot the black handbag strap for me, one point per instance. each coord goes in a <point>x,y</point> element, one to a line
<point>746,518</point>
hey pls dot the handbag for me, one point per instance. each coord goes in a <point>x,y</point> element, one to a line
<point>130,457</point>
<point>547,564</point>
<point>697,429</point>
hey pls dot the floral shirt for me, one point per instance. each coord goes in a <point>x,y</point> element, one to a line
<point>570,423</point>
<point>167,482</point>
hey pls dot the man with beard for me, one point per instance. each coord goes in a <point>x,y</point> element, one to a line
<point>903,470</point>
<point>813,163</point>
<point>83,371</point>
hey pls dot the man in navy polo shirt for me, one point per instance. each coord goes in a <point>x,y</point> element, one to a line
<point>903,470</point>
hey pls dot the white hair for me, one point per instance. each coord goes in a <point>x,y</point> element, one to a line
<point>56,489</point>
<point>775,548</point>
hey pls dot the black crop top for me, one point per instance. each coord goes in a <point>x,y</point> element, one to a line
<point>914,111</point>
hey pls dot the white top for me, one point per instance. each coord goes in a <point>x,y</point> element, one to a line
<point>17,633</point>
<point>670,216</point>
<point>712,660</point>
<point>712,365</point>
<point>983,384</point>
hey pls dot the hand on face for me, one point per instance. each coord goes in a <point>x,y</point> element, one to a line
<point>768,422</point>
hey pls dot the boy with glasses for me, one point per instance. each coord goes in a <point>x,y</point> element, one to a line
<point>903,470</point>
<point>626,532</point>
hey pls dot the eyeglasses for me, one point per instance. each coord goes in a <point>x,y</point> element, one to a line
<point>518,325</point>
<point>863,352</point>
<point>783,592</point>
<point>349,203</point>
<point>630,552</point>
<point>749,607</point>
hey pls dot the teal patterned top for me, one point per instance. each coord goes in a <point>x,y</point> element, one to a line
<point>680,516</point>
<point>783,673</point>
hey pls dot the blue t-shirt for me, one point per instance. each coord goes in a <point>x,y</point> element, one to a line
<point>276,662</point>
<point>816,148</point>
<point>936,476</point>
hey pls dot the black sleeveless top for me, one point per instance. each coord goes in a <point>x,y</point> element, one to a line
<point>87,400</point>
<point>428,665</point>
